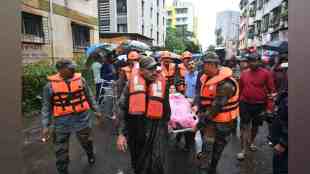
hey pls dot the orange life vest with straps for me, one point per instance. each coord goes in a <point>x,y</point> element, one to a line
<point>230,110</point>
<point>145,100</point>
<point>127,69</point>
<point>182,72</point>
<point>68,98</point>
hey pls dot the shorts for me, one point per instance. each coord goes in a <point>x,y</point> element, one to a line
<point>250,113</point>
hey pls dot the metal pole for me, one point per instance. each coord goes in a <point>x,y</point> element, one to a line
<point>51,19</point>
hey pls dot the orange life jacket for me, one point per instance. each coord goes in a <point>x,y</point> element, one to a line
<point>230,110</point>
<point>182,69</point>
<point>145,100</point>
<point>68,98</point>
<point>127,69</point>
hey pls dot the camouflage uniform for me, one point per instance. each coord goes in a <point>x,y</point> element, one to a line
<point>213,145</point>
<point>79,123</point>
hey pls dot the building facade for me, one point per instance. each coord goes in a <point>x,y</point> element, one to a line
<point>181,15</point>
<point>63,32</point>
<point>263,21</point>
<point>135,17</point>
<point>228,22</point>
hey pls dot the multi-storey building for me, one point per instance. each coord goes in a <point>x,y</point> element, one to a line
<point>263,21</point>
<point>63,31</point>
<point>228,22</point>
<point>135,19</point>
<point>181,15</point>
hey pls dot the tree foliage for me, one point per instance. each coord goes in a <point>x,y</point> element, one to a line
<point>178,40</point>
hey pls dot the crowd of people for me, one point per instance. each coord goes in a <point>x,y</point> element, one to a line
<point>136,93</point>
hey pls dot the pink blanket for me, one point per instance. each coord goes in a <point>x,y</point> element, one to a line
<point>181,113</point>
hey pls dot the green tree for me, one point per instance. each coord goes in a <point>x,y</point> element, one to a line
<point>173,42</point>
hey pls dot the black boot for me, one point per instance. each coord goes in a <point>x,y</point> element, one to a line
<point>91,159</point>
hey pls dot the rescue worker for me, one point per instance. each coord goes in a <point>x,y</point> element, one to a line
<point>145,112</point>
<point>133,57</point>
<point>218,107</point>
<point>183,69</point>
<point>67,101</point>
<point>279,133</point>
<point>172,72</point>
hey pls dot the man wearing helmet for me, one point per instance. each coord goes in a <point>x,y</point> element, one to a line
<point>218,107</point>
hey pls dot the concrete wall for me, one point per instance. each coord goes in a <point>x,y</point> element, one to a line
<point>65,12</point>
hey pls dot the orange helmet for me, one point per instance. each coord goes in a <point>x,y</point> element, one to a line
<point>186,54</point>
<point>165,55</point>
<point>133,55</point>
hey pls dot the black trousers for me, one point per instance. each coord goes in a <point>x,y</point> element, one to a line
<point>136,139</point>
<point>280,163</point>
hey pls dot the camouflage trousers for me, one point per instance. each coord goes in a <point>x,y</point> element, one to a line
<point>214,146</point>
<point>61,147</point>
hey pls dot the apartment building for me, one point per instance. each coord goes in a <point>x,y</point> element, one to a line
<point>263,21</point>
<point>63,31</point>
<point>143,20</point>
<point>181,15</point>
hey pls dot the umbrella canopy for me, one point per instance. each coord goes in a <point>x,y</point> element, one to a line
<point>279,46</point>
<point>133,44</point>
<point>106,47</point>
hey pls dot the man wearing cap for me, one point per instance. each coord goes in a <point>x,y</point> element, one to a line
<point>218,107</point>
<point>172,72</point>
<point>279,129</point>
<point>67,101</point>
<point>256,88</point>
<point>145,111</point>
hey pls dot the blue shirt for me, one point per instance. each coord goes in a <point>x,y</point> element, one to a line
<point>190,82</point>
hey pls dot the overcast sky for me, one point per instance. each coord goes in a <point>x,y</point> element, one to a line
<point>206,11</point>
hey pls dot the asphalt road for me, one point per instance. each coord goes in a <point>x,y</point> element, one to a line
<point>39,157</point>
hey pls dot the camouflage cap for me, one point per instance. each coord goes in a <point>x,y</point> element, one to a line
<point>148,63</point>
<point>211,57</point>
<point>65,63</point>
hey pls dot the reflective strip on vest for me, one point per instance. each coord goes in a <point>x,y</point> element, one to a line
<point>68,98</point>
<point>153,107</point>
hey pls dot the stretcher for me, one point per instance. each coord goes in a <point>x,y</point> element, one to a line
<point>182,119</point>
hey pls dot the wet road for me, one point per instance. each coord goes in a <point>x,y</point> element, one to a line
<point>39,157</point>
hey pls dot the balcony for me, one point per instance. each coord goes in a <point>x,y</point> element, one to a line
<point>28,38</point>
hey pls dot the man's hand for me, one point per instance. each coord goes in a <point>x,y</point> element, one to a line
<point>99,117</point>
<point>45,134</point>
<point>279,148</point>
<point>121,143</point>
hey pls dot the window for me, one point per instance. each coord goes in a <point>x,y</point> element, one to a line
<point>151,13</point>
<point>163,3</point>
<point>122,28</point>
<point>32,28</point>
<point>265,23</point>
<point>181,10</point>
<point>157,38</point>
<point>80,36</point>
<point>163,21</point>
<point>152,32</point>
<point>169,13</point>
<point>157,3</point>
<point>157,18</point>
<point>260,4</point>
<point>142,8</point>
<point>121,7</point>
<point>142,29</point>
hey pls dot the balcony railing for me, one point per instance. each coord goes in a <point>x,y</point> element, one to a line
<point>32,39</point>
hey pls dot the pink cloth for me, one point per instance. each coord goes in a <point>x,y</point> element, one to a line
<point>181,113</point>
